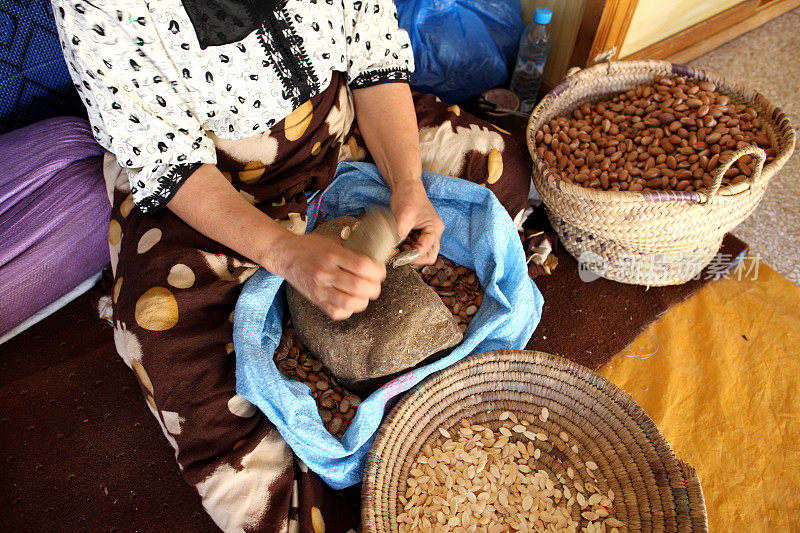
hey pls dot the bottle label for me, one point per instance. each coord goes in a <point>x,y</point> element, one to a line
<point>532,68</point>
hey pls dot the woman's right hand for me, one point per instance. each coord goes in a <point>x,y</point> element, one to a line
<point>338,281</point>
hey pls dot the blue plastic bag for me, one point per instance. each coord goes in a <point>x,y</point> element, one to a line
<point>461,48</point>
<point>479,234</point>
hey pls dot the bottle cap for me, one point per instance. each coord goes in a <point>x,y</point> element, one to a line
<point>542,15</point>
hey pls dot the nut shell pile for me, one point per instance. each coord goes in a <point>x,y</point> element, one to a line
<point>670,135</point>
<point>337,406</point>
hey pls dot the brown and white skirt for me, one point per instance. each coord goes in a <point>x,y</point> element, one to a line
<point>175,291</point>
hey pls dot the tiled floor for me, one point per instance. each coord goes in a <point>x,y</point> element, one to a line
<point>768,60</point>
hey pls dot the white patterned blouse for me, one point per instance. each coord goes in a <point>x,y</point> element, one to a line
<point>157,76</point>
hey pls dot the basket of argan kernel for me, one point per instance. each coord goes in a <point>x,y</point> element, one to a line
<point>645,165</point>
<point>525,441</point>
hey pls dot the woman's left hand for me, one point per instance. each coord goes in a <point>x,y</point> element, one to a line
<point>388,124</point>
<point>413,210</point>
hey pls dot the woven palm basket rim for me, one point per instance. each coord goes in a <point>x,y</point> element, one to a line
<point>768,112</point>
<point>662,493</point>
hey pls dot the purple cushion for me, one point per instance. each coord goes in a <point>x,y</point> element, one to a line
<point>54,214</point>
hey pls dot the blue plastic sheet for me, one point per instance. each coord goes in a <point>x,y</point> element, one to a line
<point>461,48</point>
<point>479,234</point>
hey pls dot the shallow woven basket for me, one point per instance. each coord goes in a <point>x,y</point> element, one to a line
<point>655,491</point>
<point>659,237</point>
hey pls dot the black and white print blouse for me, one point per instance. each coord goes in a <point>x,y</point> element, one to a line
<point>157,76</point>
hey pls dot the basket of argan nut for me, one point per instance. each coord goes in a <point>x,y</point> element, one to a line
<point>645,165</point>
<point>525,441</point>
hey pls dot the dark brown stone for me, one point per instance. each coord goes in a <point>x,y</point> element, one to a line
<point>404,326</point>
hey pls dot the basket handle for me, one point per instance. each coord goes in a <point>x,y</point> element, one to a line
<point>725,164</point>
<point>605,56</point>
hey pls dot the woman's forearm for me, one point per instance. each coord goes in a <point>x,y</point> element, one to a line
<point>339,281</point>
<point>388,123</point>
<point>211,205</point>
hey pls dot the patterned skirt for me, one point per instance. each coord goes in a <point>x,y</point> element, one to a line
<point>175,290</point>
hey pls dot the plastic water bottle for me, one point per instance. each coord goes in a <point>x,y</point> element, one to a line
<point>533,49</point>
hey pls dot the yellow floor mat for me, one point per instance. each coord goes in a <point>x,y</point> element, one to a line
<point>720,375</point>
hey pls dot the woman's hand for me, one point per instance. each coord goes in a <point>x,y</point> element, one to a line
<point>413,210</point>
<point>388,123</point>
<point>338,281</point>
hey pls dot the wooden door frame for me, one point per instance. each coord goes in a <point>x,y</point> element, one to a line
<point>605,24</point>
<point>715,31</point>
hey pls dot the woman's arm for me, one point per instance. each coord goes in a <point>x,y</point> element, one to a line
<point>339,281</point>
<point>388,123</point>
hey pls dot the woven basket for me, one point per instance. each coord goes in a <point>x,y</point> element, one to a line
<point>659,237</point>
<point>655,491</point>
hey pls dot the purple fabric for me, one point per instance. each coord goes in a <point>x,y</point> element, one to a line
<point>54,213</point>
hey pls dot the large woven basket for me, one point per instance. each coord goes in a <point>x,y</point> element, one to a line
<point>659,237</point>
<point>655,490</point>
